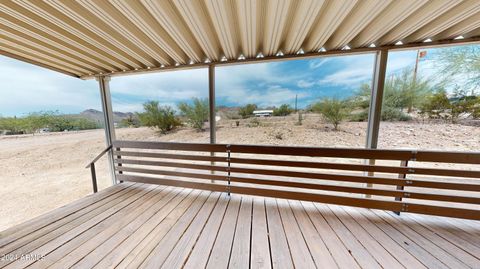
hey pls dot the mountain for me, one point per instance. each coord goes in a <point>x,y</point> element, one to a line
<point>97,116</point>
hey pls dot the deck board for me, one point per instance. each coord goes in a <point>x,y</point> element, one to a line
<point>150,226</point>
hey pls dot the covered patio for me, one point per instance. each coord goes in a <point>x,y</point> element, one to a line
<point>186,205</point>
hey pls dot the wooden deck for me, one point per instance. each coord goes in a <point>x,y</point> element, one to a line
<point>149,226</point>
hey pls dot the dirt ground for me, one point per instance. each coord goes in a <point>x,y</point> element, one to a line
<point>46,171</point>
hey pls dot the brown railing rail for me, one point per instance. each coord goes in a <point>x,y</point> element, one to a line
<point>92,167</point>
<point>308,173</point>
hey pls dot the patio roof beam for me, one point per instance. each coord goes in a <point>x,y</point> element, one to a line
<point>329,53</point>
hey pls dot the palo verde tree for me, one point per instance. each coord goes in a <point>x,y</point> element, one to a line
<point>283,110</point>
<point>196,113</point>
<point>160,117</point>
<point>333,110</point>
<point>247,110</point>
<point>460,60</point>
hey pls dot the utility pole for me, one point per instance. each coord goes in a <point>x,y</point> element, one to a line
<point>416,67</point>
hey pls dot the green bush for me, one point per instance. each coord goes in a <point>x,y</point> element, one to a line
<point>435,104</point>
<point>161,117</point>
<point>360,116</point>
<point>131,122</point>
<point>333,110</point>
<point>196,113</point>
<point>283,110</point>
<point>253,123</point>
<point>394,114</point>
<point>247,111</point>
<point>52,120</point>
<point>12,125</point>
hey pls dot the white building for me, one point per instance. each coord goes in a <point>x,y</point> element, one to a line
<point>263,113</point>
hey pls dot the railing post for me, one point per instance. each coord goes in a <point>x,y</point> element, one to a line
<point>94,177</point>
<point>375,109</point>
<point>228,169</point>
<point>119,164</point>
<point>403,163</point>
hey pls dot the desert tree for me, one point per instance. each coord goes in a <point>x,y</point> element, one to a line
<point>333,110</point>
<point>247,110</point>
<point>160,117</point>
<point>283,110</point>
<point>196,112</point>
<point>459,61</point>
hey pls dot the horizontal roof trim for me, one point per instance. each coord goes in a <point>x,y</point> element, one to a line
<point>323,53</point>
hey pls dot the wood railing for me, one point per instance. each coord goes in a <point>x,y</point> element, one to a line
<point>93,171</point>
<point>312,174</point>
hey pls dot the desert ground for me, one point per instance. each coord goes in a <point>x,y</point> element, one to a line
<point>45,171</point>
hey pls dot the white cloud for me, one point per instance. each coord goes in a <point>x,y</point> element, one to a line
<point>314,64</point>
<point>305,83</point>
<point>272,96</point>
<point>347,77</point>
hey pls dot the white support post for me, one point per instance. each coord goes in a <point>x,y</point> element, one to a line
<point>211,102</point>
<point>108,120</point>
<point>375,109</point>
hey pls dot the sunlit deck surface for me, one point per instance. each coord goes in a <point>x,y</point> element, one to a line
<point>149,226</point>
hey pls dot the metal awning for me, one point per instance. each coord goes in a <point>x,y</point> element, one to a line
<point>86,38</point>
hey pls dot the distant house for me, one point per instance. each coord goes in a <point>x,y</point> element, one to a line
<point>263,113</point>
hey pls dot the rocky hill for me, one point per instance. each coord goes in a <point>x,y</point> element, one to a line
<point>97,116</point>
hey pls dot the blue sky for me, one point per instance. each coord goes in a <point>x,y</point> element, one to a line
<point>26,88</point>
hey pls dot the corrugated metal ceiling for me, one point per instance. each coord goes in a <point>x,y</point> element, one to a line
<point>92,37</point>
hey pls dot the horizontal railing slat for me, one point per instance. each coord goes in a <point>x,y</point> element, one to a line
<point>320,198</point>
<point>378,154</point>
<point>360,167</point>
<point>315,186</point>
<point>170,156</point>
<point>321,176</point>
<point>242,164</point>
<point>169,146</point>
<point>304,164</point>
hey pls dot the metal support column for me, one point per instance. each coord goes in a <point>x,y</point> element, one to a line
<point>108,120</point>
<point>211,102</point>
<point>375,109</point>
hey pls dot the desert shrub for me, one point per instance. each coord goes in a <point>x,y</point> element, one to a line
<point>394,114</point>
<point>476,108</point>
<point>131,122</point>
<point>333,110</point>
<point>161,117</point>
<point>401,91</point>
<point>196,113</point>
<point>53,120</point>
<point>253,123</point>
<point>232,115</point>
<point>247,111</point>
<point>283,110</point>
<point>278,135</point>
<point>12,125</point>
<point>82,124</point>
<point>435,104</point>
<point>359,116</point>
